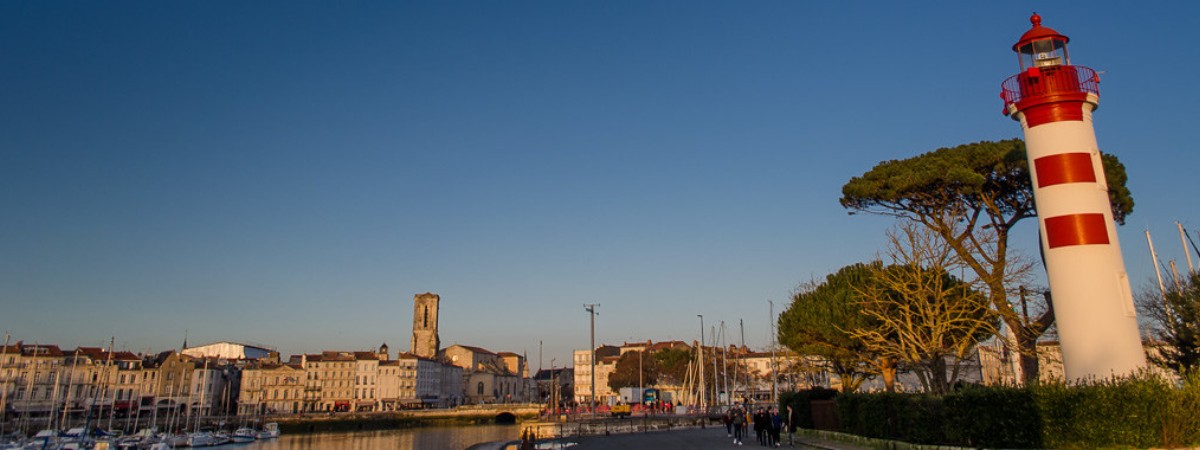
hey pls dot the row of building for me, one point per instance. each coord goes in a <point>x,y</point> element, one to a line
<point>42,380</point>
<point>227,378</point>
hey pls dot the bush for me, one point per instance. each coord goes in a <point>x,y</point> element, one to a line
<point>1121,412</point>
<point>997,417</point>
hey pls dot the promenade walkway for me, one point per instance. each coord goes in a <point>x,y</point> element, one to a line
<point>693,439</point>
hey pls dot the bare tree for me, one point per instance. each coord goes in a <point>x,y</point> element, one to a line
<point>925,318</point>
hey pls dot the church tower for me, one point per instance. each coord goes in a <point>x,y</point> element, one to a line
<point>425,342</point>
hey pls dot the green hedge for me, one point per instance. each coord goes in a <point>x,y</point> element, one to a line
<point>801,406</point>
<point>1141,412</point>
<point>910,418</point>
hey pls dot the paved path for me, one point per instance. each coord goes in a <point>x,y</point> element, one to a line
<point>695,439</point>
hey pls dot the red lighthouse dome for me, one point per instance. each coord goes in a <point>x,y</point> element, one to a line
<point>1048,88</point>
<point>1041,46</point>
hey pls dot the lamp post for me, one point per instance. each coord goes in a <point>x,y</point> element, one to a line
<point>591,309</point>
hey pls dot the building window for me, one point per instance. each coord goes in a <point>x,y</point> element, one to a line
<point>479,389</point>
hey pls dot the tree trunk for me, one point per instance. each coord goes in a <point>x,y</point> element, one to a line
<point>937,375</point>
<point>887,369</point>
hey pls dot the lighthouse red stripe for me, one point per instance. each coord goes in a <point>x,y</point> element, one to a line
<point>1076,229</point>
<point>1053,112</point>
<point>1064,168</point>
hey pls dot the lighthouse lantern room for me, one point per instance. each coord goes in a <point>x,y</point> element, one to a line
<point>1041,47</point>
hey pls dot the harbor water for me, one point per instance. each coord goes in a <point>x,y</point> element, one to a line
<point>420,438</point>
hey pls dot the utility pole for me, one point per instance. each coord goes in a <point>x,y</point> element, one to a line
<point>700,364</point>
<point>591,309</point>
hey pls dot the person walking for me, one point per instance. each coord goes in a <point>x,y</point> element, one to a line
<point>760,426</point>
<point>739,423</point>
<point>776,425</point>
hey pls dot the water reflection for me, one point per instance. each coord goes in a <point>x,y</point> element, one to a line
<point>425,438</point>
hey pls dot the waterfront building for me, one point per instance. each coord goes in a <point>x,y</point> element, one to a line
<point>36,372</point>
<point>388,385</point>
<point>425,341</point>
<point>228,350</point>
<point>127,382</point>
<point>470,358</point>
<point>175,374</point>
<point>330,381</point>
<point>271,388</point>
<point>420,381</point>
<point>487,375</point>
<point>451,393</point>
<point>583,373</point>
<point>213,387</point>
<point>366,372</point>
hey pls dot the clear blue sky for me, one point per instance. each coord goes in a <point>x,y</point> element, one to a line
<point>292,173</point>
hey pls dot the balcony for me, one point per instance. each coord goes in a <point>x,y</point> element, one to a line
<point>1048,83</point>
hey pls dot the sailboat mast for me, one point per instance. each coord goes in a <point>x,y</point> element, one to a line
<point>1183,241</point>
<point>107,374</point>
<point>1175,275</point>
<point>742,359</point>
<point>70,384</point>
<point>1162,288</point>
<point>725,365</point>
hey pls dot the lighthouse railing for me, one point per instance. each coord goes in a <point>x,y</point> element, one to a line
<point>1049,81</point>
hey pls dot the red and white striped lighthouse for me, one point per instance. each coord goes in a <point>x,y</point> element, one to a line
<point>1093,305</point>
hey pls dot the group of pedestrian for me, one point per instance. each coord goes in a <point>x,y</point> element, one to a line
<point>766,424</point>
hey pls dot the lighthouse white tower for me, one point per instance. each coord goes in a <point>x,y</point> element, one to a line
<point>1093,306</point>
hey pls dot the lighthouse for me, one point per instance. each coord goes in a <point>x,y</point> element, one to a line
<point>1093,305</point>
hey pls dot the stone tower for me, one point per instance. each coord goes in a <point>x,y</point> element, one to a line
<point>425,342</point>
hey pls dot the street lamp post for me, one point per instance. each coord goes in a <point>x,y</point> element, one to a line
<point>591,308</point>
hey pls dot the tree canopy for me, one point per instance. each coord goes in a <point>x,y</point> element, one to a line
<point>625,374</point>
<point>1176,324</point>
<point>820,321</point>
<point>982,177</point>
<point>673,364</point>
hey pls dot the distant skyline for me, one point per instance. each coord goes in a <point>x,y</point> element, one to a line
<point>291,174</point>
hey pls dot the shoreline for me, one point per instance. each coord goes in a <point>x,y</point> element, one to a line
<point>388,421</point>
